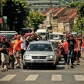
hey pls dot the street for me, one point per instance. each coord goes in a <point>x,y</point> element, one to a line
<point>62,75</point>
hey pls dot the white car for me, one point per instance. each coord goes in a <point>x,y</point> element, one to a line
<point>40,53</point>
<point>8,34</point>
<point>57,36</point>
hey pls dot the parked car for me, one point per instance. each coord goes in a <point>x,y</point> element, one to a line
<point>42,32</point>
<point>40,53</point>
<point>25,30</point>
<point>56,46</point>
<point>8,34</point>
<point>57,36</point>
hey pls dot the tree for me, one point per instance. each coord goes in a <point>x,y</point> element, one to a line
<point>34,19</point>
<point>79,26</point>
<point>67,2</point>
<point>75,4</point>
<point>16,11</point>
<point>81,9</point>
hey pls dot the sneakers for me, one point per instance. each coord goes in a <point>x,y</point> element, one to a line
<point>18,66</point>
<point>3,70</point>
<point>72,66</point>
<point>68,66</point>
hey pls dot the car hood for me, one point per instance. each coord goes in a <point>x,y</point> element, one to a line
<point>37,53</point>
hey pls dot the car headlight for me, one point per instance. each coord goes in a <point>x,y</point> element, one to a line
<point>27,56</point>
<point>50,56</point>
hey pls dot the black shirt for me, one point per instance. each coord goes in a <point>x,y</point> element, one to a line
<point>71,43</point>
<point>4,46</point>
<point>1,45</point>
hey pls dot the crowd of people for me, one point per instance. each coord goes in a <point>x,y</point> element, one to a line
<point>72,50</point>
<point>11,50</point>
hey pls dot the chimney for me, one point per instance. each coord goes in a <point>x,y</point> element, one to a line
<point>72,1</point>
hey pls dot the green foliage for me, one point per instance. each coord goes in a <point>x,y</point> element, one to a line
<point>67,2</point>
<point>75,4</point>
<point>81,9</point>
<point>16,11</point>
<point>34,19</point>
<point>79,26</point>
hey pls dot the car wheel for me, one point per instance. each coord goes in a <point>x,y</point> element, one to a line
<point>24,67</point>
<point>54,66</point>
<point>59,59</point>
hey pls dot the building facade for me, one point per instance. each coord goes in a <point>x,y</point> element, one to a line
<point>61,19</point>
<point>42,5</point>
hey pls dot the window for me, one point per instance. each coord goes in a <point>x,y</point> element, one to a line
<point>39,47</point>
<point>41,9</point>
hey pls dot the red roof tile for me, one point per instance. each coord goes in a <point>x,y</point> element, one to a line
<point>70,13</point>
<point>55,11</point>
<point>58,11</point>
<point>50,10</point>
<point>71,16</point>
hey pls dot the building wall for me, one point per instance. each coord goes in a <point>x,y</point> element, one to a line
<point>60,26</point>
<point>66,27</point>
<point>42,5</point>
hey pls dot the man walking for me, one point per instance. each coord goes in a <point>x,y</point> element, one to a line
<point>71,43</point>
<point>4,54</point>
<point>65,50</point>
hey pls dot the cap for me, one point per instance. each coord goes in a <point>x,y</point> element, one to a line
<point>3,38</point>
<point>15,37</point>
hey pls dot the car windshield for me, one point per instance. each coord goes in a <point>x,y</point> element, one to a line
<point>43,34</point>
<point>39,47</point>
<point>10,36</point>
<point>57,37</point>
<point>2,34</point>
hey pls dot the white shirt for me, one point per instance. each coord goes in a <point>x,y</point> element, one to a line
<point>23,44</point>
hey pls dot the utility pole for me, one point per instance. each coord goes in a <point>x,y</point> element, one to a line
<point>50,3</point>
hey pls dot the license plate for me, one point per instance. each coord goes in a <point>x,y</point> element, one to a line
<point>38,60</point>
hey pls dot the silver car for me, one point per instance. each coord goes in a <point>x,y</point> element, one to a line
<point>40,53</point>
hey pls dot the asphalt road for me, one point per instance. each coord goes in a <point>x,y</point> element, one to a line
<point>62,75</point>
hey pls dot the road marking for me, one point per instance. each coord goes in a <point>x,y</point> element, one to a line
<point>56,78</point>
<point>60,66</point>
<point>8,77</point>
<point>52,71</point>
<point>31,78</point>
<point>79,77</point>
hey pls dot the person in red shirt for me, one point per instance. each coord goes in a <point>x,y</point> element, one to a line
<point>17,50</point>
<point>65,50</point>
<point>11,60</point>
<point>82,48</point>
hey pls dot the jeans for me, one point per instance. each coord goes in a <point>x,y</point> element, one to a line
<point>0,58</point>
<point>22,53</point>
<point>70,56</point>
<point>12,60</point>
<point>65,57</point>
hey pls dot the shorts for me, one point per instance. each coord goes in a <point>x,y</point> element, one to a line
<point>16,54</point>
<point>4,58</point>
<point>82,49</point>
